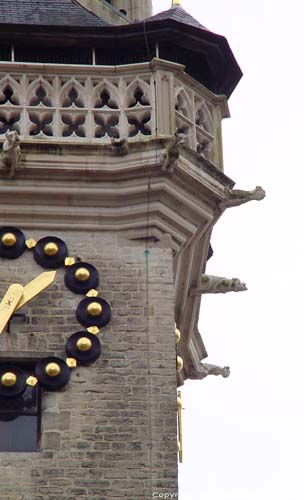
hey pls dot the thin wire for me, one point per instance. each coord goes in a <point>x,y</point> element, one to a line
<point>147,261</point>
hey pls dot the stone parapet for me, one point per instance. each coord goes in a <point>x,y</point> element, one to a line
<point>98,104</point>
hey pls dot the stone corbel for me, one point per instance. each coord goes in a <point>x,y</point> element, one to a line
<point>11,153</point>
<point>172,153</point>
<point>216,284</point>
<point>205,369</point>
<point>237,197</point>
<point>120,146</point>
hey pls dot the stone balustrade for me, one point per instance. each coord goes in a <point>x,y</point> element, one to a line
<point>95,104</point>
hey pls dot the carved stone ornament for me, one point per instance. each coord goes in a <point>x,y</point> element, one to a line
<point>236,197</point>
<point>172,152</point>
<point>11,153</point>
<point>206,369</point>
<point>216,284</point>
<point>120,146</point>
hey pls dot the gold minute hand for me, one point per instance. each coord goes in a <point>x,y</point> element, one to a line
<point>8,304</point>
<point>35,286</point>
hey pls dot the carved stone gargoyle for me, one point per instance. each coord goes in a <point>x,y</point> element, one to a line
<point>120,146</point>
<point>237,197</point>
<point>11,153</point>
<point>216,284</point>
<point>172,152</point>
<point>206,369</point>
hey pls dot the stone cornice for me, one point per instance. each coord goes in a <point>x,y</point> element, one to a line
<point>89,188</point>
<point>42,158</point>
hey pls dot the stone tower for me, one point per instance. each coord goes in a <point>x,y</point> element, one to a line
<point>119,11</point>
<point>135,9</point>
<point>111,182</point>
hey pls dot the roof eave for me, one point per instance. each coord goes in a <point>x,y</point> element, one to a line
<point>202,43</point>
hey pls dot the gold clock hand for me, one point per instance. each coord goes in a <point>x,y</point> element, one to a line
<point>8,304</point>
<point>36,286</point>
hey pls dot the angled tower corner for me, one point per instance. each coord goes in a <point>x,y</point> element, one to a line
<point>135,10</point>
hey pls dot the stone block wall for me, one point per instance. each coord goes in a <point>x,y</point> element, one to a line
<point>111,433</point>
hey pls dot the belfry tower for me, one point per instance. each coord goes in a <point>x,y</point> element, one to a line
<point>111,181</point>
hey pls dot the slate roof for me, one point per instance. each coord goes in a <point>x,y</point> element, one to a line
<point>47,13</point>
<point>181,38</point>
<point>177,13</point>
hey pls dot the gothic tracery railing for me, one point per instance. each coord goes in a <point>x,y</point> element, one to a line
<point>95,105</point>
<point>194,118</point>
<point>75,107</point>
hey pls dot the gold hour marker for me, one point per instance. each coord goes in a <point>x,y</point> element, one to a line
<point>94,309</point>
<point>30,243</point>
<point>71,362</point>
<point>69,261</point>
<point>9,239</point>
<point>51,249</point>
<point>82,274</point>
<point>32,381</point>
<point>52,369</point>
<point>9,379</point>
<point>93,329</point>
<point>92,293</point>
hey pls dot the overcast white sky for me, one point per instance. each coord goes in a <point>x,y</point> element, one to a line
<point>243,436</point>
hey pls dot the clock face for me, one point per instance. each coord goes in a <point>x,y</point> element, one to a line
<point>49,302</point>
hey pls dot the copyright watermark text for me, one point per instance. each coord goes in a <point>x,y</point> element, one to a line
<point>167,496</point>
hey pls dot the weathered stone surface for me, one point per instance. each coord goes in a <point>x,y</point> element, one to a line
<point>97,433</point>
<point>50,441</point>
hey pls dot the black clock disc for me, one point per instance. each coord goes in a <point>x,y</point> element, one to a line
<point>97,319</point>
<point>81,277</point>
<point>52,373</point>
<point>50,252</point>
<point>12,242</point>
<point>83,346</point>
<point>12,381</point>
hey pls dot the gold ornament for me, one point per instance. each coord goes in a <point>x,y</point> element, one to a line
<point>82,274</point>
<point>84,344</point>
<point>9,239</point>
<point>177,335</point>
<point>30,243</point>
<point>180,426</point>
<point>32,381</point>
<point>51,249</point>
<point>8,379</point>
<point>94,309</point>
<point>92,293</point>
<point>71,362</point>
<point>179,364</point>
<point>179,403</point>
<point>52,369</point>
<point>93,329</point>
<point>69,261</point>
